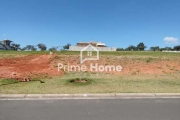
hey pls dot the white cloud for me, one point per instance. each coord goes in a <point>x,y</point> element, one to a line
<point>171,40</point>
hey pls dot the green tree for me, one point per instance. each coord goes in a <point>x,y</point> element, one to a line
<point>53,48</point>
<point>141,46</point>
<point>177,48</point>
<point>119,49</point>
<point>131,47</point>
<point>42,46</point>
<point>66,47</point>
<point>155,48</point>
<point>168,48</point>
<point>30,48</point>
<point>15,46</point>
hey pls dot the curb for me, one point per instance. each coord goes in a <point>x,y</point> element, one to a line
<point>88,96</point>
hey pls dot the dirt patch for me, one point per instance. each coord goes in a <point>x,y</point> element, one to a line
<point>130,65</point>
<point>44,66</point>
<point>78,81</point>
<point>31,66</point>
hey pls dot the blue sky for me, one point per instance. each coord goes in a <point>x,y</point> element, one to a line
<point>118,23</point>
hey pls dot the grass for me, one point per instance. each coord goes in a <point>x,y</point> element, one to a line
<point>7,82</point>
<point>72,83</point>
<point>113,53</point>
<point>149,60</point>
<point>98,83</point>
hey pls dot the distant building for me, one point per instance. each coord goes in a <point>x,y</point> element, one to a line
<point>98,45</point>
<point>94,44</point>
<point>5,45</point>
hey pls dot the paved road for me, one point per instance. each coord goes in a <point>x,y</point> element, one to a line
<point>117,109</point>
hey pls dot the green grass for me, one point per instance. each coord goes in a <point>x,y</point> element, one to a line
<point>7,82</point>
<point>98,83</point>
<point>149,60</point>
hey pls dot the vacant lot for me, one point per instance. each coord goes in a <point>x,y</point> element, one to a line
<point>142,72</point>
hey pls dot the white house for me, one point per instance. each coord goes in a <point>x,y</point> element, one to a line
<point>98,45</point>
<point>5,45</point>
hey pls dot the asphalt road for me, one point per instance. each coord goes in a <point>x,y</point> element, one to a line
<point>116,109</point>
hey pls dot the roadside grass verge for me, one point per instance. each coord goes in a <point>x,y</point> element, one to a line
<point>99,83</point>
<point>7,82</point>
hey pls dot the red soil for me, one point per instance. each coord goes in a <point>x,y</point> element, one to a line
<point>42,66</point>
<point>31,66</point>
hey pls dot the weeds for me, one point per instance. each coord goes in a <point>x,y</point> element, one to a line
<point>149,60</point>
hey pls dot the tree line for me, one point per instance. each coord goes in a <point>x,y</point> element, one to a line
<point>39,46</point>
<point>141,47</point>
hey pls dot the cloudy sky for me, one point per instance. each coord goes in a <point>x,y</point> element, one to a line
<point>118,23</point>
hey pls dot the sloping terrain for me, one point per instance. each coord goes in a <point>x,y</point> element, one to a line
<point>44,66</point>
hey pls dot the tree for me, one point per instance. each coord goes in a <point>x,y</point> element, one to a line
<point>152,48</point>
<point>42,47</point>
<point>119,49</point>
<point>54,48</point>
<point>15,46</point>
<point>141,46</point>
<point>30,48</point>
<point>177,48</point>
<point>66,47</point>
<point>155,48</point>
<point>131,47</point>
<point>168,48</point>
<point>23,49</point>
